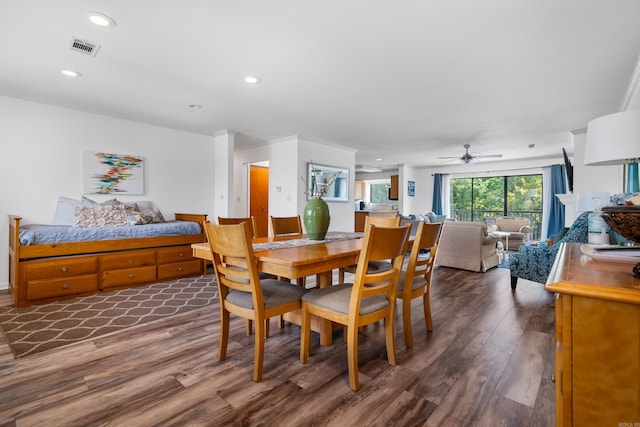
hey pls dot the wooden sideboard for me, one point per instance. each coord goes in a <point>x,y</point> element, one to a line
<point>597,310</point>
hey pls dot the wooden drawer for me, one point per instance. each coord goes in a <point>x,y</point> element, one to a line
<point>49,288</point>
<point>179,269</point>
<point>66,267</point>
<point>128,276</point>
<point>127,260</point>
<point>175,254</point>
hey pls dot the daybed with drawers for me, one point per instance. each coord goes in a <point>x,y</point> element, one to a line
<point>81,261</point>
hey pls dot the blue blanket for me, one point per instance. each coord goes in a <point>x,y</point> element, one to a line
<point>35,234</point>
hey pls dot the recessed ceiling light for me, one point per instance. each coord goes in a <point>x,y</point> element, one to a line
<point>252,79</point>
<point>71,73</point>
<point>101,20</point>
<point>379,159</point>
<point>195,106</point>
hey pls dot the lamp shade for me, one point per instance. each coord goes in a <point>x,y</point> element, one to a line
<point>613,139</point>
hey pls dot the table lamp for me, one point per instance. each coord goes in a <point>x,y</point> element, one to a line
<point>615,139</point>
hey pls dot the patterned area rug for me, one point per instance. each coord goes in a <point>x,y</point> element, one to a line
<point>31,330</point>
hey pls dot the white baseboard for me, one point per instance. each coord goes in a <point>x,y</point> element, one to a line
<point>4,286</point>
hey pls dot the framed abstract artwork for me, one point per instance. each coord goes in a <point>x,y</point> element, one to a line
<point>106,173</point>
<point>411,188</point>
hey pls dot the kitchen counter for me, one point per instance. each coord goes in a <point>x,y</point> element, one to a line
<point>361,216</point>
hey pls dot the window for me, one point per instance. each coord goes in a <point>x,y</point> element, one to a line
<point>380,192</point>
<point>476,199</point>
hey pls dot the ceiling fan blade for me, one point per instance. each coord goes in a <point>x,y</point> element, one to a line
<point>487,156</point>
<point>450,157</point>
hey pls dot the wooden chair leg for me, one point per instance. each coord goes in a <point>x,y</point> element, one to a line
<point>406,322</point>
<point>258,354</point>
<point>390,340</point>
<point>352,358</point>
<point>224,334</point>
<point>305,335</point>
<point>427,311</point>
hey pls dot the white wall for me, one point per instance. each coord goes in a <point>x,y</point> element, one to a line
<point>421,202</point>
<point>42,148</point>
<point>342,213</point>
<point>288,158</point>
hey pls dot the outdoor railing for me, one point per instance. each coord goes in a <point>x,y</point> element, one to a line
<point>481,216</point>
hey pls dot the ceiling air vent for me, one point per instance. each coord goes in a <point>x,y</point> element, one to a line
<point>84,46</point>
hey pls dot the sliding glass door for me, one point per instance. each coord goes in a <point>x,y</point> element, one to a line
<point>476,199</point>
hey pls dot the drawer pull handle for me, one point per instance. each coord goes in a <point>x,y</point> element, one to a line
<point>63,269</point>
<point>131,276</point>
<point>181,254</point>
<point>65,286</point>
<point>179,268</point>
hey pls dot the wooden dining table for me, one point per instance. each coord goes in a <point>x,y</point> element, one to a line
<point>306,258</point>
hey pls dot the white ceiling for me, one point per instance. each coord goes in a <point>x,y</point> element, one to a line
<point>405,81</point>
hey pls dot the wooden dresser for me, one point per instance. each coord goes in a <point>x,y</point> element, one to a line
<point>597,310</point>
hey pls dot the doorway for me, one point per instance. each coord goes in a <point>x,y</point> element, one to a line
<point>259,198</point>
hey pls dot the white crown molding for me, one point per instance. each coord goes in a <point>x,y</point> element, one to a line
<point>632,89</point>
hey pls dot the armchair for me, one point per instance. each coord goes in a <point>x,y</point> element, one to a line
<point>534,262</point>
<point>467,246</point>
<point>519,227</point>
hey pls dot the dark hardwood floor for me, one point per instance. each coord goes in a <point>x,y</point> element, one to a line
<point>488,362</point>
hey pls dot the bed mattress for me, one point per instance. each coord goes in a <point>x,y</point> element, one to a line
<point>36,234</point>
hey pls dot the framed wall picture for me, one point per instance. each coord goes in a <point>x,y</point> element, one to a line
<point>411,188</point>
<point>106,173</point>
<point>329,182</point>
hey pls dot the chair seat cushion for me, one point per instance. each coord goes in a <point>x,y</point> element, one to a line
<point>373,267</point>
<point>418,281</point>
<point>336,298</point>
<point>274,293</point>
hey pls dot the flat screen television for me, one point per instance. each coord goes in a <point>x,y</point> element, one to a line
<point>569,168</point>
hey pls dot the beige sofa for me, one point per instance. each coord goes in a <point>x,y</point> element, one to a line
<point>519,228</point>
<point>466,245</point>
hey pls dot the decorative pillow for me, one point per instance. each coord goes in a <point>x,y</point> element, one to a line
<point>148,213</point>
<point>436,218</point>
<point>88,202</point>
<point>66,211</point>
<point>424,218</point>
<point>105,216</point>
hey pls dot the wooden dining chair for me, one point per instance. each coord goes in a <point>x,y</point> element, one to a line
<point>289,226</point>
<point>415,281</point>
<point>370,298</point>
<point>380,221</point>
<point>241,291</point>
<point>253,228</point>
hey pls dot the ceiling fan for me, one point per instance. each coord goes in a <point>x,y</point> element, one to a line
<point>467,158</point>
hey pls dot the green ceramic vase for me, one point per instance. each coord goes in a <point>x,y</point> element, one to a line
<point>316,219</point>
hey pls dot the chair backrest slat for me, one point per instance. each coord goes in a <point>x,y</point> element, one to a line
<point>380,243</point>
<point>233,258</point>
<point>285,226</point>
<point>250,220</point>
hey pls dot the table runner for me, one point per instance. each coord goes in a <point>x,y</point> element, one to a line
<point>268,246</point>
